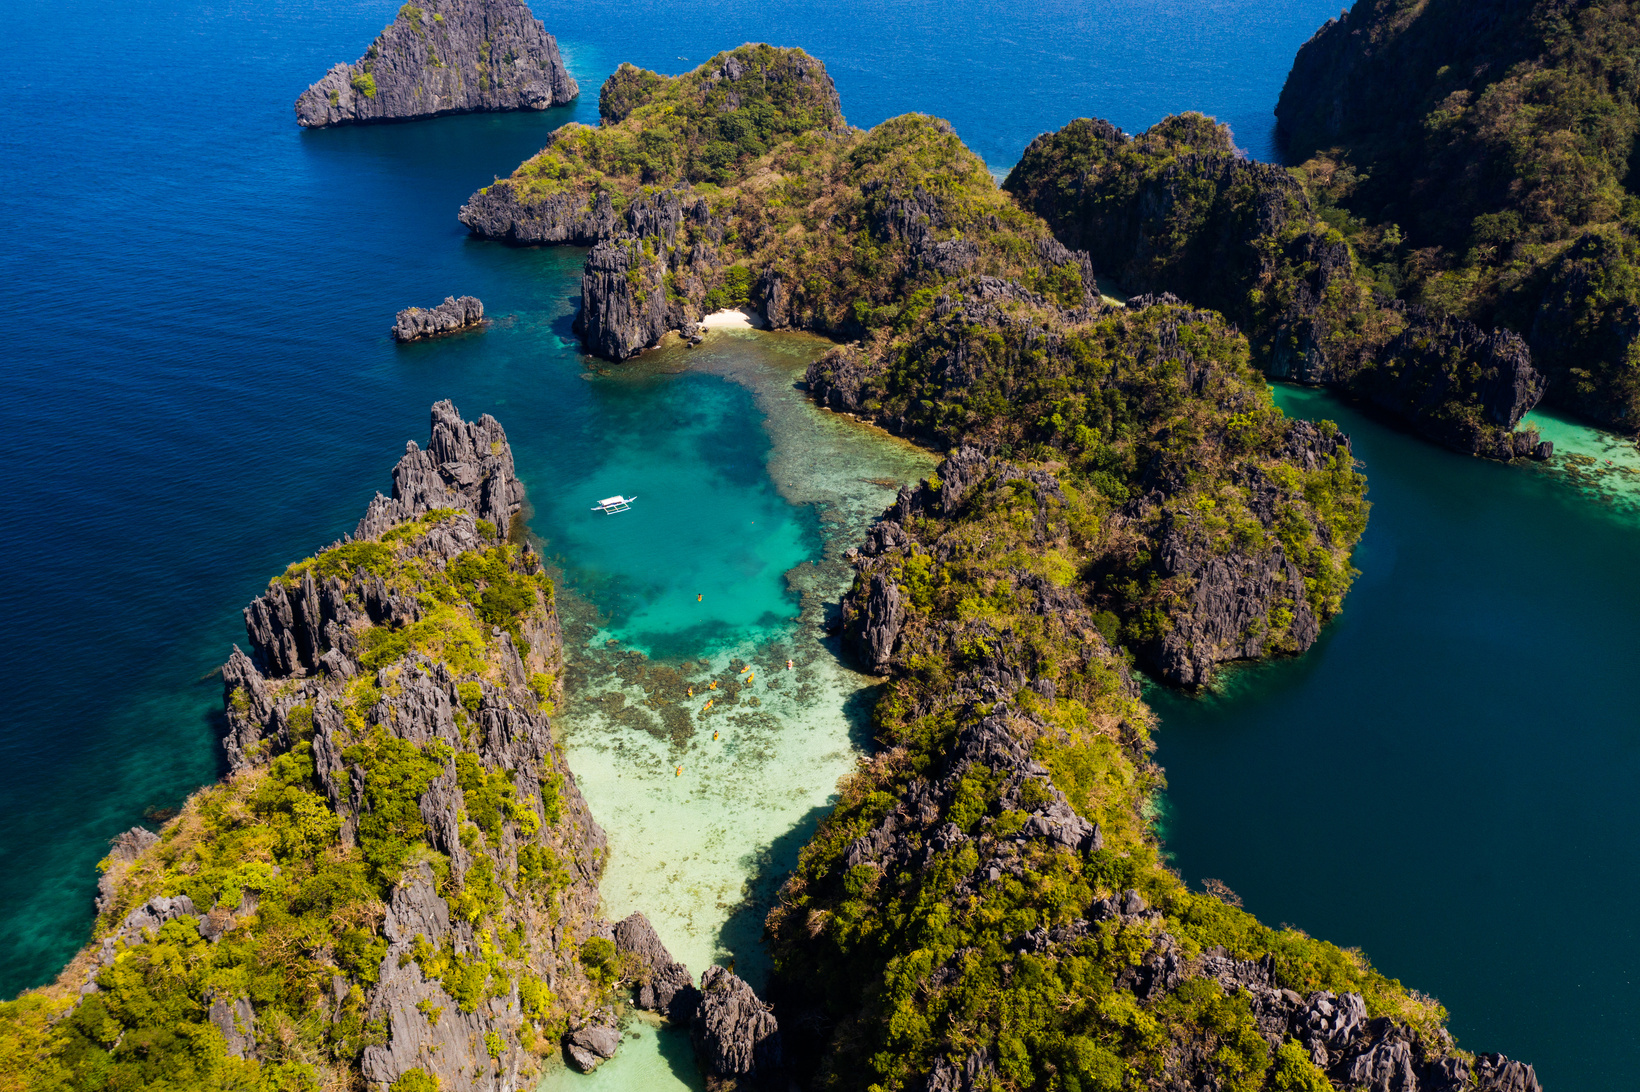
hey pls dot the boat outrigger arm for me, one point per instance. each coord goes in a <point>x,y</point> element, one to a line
<point>614,504</point>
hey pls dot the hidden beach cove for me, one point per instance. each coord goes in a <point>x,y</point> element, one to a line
<point>402,883</point>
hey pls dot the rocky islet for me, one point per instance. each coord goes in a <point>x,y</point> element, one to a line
<point>444,57</point>
<point>415,323</point>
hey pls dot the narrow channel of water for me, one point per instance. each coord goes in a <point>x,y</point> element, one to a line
<point>706,594</point>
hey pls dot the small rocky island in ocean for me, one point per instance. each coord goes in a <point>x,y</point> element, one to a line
<point>415,323</point>
<point>449,57</point>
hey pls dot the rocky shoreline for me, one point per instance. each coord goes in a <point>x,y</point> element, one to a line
<point>444,57</point>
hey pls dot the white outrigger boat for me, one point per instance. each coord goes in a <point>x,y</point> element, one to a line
<point>614,504</point>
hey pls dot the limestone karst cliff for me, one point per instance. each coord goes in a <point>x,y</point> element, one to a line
<point>398,874</point>
<point>1479,156</point>
<point>1177,210</point>
<point>444,57</point>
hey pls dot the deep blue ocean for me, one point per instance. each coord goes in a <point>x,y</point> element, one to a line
<point>199,389</point>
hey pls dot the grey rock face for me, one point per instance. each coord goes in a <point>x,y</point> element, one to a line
<point>292,630</point>
<point>663,984</point>
<point>736,1035</point>
<point>414,323</point>
<point>881,613</point>
<point>466,465</point>
<point>1495,1073</point>
<point>237,1022</point>
<point>445,57</point>
<point>1232,599</point>
<point>591,1046</point>
<point>973,1075</point>
<point>567,218</point>
<point>122,852</point>
<point>623,297</point>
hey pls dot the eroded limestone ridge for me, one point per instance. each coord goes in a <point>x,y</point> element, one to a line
<point>415,323</point>
<point>445,57</point>
<point>396,883</point>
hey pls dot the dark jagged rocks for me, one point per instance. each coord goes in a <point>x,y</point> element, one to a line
<point>740,185</point>
<point>1178,211</point>
<point>415,323</point>
<point>736,1035</point>
<point>1479,157</point>
<point>445,57</point>
<point>465,465</point>
<point>660,983</point>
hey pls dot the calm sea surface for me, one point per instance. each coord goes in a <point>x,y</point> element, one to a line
<point>199,389</point>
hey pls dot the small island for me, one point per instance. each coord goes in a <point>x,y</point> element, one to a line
<point>415,323</point>
<point>447,57</point>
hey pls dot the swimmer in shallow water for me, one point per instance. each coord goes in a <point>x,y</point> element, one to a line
<point>788,665</point>
<point>713,686</point>
<point>714,737</point>
<point>680,771</point>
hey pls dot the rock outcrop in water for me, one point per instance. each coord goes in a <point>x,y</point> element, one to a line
<point>415,323</point>
<point>445,57</point>
<point>660,983</point>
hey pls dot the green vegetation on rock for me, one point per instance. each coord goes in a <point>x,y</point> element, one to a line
<point>252,944</point>
<point>1178,210</point>
<point>1480,157</point>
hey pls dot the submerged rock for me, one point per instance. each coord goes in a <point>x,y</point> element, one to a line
<point>444,57</point>
<point>414,323</point>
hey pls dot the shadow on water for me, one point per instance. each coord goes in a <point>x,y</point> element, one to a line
<point>740,939</point>
<point>858,708</point>
<point>678,1052</point>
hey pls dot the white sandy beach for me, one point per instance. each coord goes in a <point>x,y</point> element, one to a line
<point>742,317</point>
